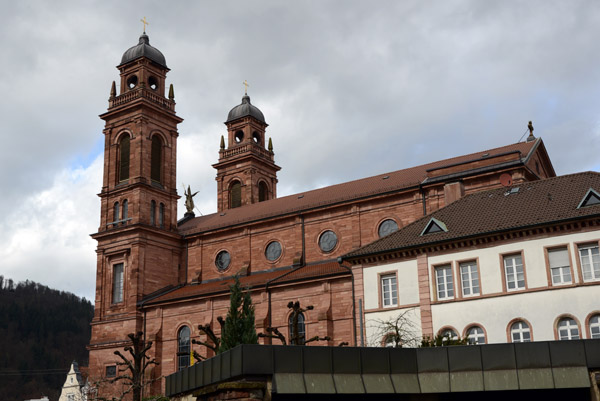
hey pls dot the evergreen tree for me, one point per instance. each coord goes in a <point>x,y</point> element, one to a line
<point>239,325</point>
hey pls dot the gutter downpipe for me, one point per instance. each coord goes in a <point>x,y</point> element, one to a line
<point>340,262</point>
<point>423,199</point>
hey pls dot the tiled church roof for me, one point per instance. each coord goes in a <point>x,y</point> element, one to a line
<point>347,191</point>
<point>537,203</point>
<point>256,280</point>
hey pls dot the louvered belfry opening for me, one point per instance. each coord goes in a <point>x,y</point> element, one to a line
<point>235,195</point>
<point>124,158</point>
<point>156,159</point>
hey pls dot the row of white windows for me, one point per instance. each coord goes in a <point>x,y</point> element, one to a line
<point>514,274</point>
<point>566,329</point>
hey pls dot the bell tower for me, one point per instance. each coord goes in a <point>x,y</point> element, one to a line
<point>139,249</point>
<point>246,170</point>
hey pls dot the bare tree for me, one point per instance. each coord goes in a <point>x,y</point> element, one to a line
<point>295,337</point>
<point>397,331</point>
<point>130,372</point>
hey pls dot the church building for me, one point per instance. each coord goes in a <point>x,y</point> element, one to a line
<point>165,277</point>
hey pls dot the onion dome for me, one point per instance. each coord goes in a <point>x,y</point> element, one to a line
<point>143,49</point>
<point>245,109</point>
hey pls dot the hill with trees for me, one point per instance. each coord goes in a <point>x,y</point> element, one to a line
<point>41,332</point>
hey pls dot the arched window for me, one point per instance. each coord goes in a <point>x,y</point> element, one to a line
<point>449,334</point>
<point>156,159</point>
<point>116,212</point>
<point>125,211</point>
<point>153,213</point>
<point>476,335</point>
<point>263,191</point>
<point>161,215</point>
<point>183,348</point>
<point>595,326</point>
<point>520,332</point>
<point>235,195</point>
<point>298,337</point>
<point>568,329</point>
<point>123,172</point>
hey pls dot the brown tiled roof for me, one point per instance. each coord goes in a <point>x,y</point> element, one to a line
<point>530,204</point>
<point>347,191</point>
<point>256,280</point>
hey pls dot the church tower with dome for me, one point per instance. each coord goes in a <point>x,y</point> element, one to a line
<point>139,249</point>
<point>246,171</point>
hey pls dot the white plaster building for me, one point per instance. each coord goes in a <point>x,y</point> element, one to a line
<point>520,263</point>
<point>74,385</point>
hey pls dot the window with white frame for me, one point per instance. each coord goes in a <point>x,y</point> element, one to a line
<point>567,329</point>
<point>389,290</point>
<point>590,261</point>
<point>469,278</point>
<point>520,332</point>
<point>476,335</point>
<point>117,293</point>
<point>513,272</point>
<point>560,267</point>
<point>444,282</point>
<point>449,334</point>
<point>595,326</point>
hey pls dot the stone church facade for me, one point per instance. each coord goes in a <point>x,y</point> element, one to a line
<point>165,277</point>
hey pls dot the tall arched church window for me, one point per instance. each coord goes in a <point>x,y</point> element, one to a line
<point>301,334</point>
<point>125,211</point>
<point>183,348</point>
<point>124,158</point>
<point>263,191</point>
<point>235,195</point>
<point>156,159</point>
<point>153,213</point>
<point>161,215</point>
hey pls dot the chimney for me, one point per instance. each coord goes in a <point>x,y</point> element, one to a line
<point>453,191</point>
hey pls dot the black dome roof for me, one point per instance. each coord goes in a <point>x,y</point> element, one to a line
<point>245,109</point>
<point>143,49</point>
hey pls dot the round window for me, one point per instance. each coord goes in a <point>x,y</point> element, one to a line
<point>153,83</point>
<point>256,137</point>
<point>387,227</point>
<point>222,260</point>
<point>327,241</point>
<point>239,136</point>
<point>132,81</point>
<point>273,251</point>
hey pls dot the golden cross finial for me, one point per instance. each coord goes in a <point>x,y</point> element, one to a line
<point>246,87</point>
<point>145,23</point>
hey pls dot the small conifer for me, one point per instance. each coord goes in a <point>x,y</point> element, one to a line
<point>239,325</point>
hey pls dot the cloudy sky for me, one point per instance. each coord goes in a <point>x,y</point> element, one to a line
<point>349,89</point>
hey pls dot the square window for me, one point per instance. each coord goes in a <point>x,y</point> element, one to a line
<point>560,267</point>
<point>389,290</point>
<point>111,371</point>
<point>513,272</point>
<point>469,277</point>
<point>444,282</point>
<point>590,262</point>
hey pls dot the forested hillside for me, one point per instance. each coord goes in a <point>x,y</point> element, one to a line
<point>41,332</point>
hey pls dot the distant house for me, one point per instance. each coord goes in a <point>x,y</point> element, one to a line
<point>73,389</point>
<point>515,264</point>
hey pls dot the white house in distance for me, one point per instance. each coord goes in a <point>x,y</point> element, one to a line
<point>520,263</point>
<point>74,387</point>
